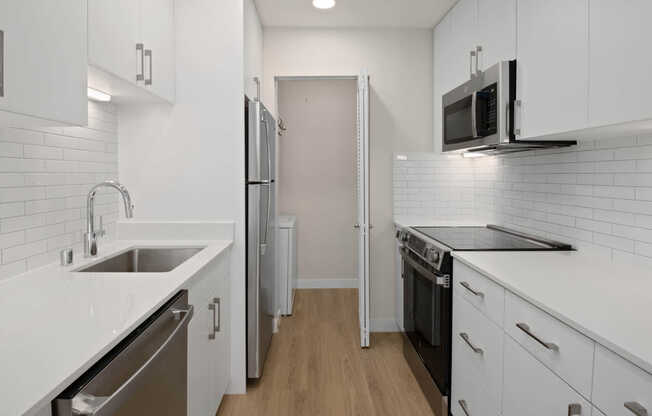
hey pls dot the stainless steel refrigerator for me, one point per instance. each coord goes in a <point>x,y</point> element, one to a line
<point>260,136</point>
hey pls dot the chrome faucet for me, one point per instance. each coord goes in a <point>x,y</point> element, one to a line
<point>90,237</point>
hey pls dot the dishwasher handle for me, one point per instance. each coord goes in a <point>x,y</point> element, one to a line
<point>90,405</point>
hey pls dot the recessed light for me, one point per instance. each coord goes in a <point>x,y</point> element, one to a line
<point>323,4</point>
<point>97,95</point>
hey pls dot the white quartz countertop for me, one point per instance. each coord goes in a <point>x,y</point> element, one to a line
<point>607,302</point>
<point>55,323</point>
<point>416,221</point>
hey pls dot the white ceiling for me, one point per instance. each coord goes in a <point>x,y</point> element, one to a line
<point>353,13</point>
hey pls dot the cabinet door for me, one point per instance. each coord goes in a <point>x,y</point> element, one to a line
<point>442,78</point>
<point>620,61</point>
<point>157,34</point>
<point>220,346</point>
<point>463,20</point>
<point>199,351</point>
<point>496,31</point>
<point>552,74</point>
<point>45,59</point>
<point>531,389</point>
<point>113,32</point>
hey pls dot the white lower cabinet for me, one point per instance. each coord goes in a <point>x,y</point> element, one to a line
<point>477,362</point>
<point>619,387</point>
<point>531,389</point>
<point>208,338</point>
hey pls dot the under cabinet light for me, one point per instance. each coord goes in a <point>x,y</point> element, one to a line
<point>97,95</point>
<point>323,4</point>
<point>472,154</point>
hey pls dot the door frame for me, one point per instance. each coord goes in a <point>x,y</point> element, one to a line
<point>363,287</point>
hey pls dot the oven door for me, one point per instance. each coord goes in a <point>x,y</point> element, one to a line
<point>427,316</point>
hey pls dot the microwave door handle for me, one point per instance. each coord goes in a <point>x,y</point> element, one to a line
<point>474,114</point>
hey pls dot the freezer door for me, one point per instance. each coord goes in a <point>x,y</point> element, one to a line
<point>260,279</point>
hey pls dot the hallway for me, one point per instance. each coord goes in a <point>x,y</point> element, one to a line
<point>316,366</point>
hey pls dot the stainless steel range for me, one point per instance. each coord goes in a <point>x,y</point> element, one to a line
<point>427,271</point>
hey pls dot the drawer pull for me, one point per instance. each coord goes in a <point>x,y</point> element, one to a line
<point>636,408</point>
<point>574,409</point>
<point>468,287</point>
<point>465,407</point>
<point>526,328</point>
<point>466,339</point>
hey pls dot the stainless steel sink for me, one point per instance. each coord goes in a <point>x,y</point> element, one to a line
<point>143,260</point>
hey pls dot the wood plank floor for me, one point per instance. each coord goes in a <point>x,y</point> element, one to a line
<point>315,366</point>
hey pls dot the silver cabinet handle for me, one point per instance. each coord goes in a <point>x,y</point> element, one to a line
<point>636,408</point>
<point>2,63</point>
<point>466,339</point>
<point>478,49</point>
<point>468,287</point>
<point>465,407</point>
<point>148,53</point>
<point>140,49</point>
<point>526,328</point>
<point>471,56</point>
<point>574,409</point>
<point>211,307</point>
<point>519,105</point>
<point>218,302</point>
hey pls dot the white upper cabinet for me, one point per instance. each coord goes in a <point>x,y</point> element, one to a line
<point>43,62</point>
<point>113,32</point>
<point>496,31</point>
<point>552,72</point>
<point>157,33</point>
<point>463,21</point>
<point>133,40</point>
<point>620,61</point>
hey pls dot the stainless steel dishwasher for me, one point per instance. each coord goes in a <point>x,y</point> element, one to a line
<point>145,374</point>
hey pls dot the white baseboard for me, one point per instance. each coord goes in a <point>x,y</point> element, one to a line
<point>384,325</point>
<point>327,283</point>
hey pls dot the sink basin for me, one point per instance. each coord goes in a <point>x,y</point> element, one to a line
<point>143,260</point>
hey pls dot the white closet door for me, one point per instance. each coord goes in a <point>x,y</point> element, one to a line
<point>363,206</point>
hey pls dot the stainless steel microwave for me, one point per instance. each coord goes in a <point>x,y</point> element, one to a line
<point>478,116</point>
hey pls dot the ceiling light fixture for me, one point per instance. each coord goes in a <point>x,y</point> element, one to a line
<point>323,4</point>
<point>97,95</point>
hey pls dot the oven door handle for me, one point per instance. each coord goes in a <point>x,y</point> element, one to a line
<point>474,114</point>
<point>433,277</point>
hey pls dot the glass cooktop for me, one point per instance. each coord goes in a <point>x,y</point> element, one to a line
<point>483,239</point>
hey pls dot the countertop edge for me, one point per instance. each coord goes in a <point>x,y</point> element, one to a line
<point>637,361</point>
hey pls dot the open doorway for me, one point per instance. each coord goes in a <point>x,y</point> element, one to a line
<point>323,182</point>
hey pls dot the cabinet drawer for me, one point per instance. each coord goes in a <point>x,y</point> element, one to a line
<point>533,390</point>
<point>616,382</point>
<point>477,363</point>
<point>485,295</point>
<point>568,353</point>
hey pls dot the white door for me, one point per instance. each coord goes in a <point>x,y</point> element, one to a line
<point>496,31</point>
<point>113,32</point>
<point>363,207</point>
<point>620,61</point>
<point>44,67</point>
<point>552,56</point>
<point>157,34</point>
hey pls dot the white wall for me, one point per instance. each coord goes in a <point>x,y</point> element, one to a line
<point>400,67</point>
<point>45,175</point>
<point>317,181</point>
<point>253,48</point>
<point>187,161</point>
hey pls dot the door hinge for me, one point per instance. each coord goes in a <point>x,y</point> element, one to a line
<point>444,281</point>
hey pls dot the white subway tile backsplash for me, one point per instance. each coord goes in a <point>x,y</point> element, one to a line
<point>597,196</point>
<point>45,175</point>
